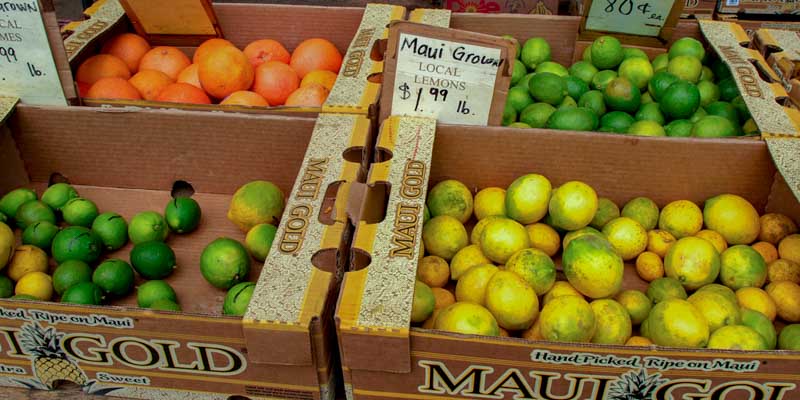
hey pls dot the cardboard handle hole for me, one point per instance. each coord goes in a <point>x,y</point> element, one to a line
<point>181,188</point>
<point>762,72</point>
<point>354,155</point>
<point>378,51</point>
<point>376,200</point>
<point>382,155</point>
<point>56,177</point>
<point>326,260</point>
<point>375,78</point>
<point>771,49</point>
<point>237,397</point>
<point>327,212</point>
<point>359,259</point>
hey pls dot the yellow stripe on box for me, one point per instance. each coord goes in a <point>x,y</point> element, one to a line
<point>351,297</point>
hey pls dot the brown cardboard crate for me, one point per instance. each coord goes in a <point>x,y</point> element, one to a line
<point>126,161</point>
<point>782,50</point>
<point>758,7</point>
<point>699,9</point>
<point>543,7</point>
<point>752,25</point>
<point>384,357</point>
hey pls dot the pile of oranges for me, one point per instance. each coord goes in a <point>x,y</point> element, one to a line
<point>264,74</point>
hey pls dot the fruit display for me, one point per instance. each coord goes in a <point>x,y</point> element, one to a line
<point>262,74</point>
<point>71,253</point>
<point>559,263</point>
<point>684,92</point>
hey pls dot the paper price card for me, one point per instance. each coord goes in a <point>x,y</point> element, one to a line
<point>634,17</point>
<point>27,68</point>
<point>447,77</point>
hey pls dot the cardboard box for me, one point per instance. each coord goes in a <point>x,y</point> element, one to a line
<point>699,9</point>
<point>794,93</point>
<point>782,51</point>
<point>543,7</point>
<point>758,6</point>
<point>124,161</point>
<point>752,25</point>
<point>384,357</point>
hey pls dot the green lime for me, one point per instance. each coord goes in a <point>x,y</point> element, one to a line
<point>573,119</point>
<point>537,114</point>
<point>723,109</point>
<point>182,214</point>
<point>112,230</point>
<point>728,89</point>
<point>12,200</point>
<point>568,102</point>
<point>607,52</point>
<point>687,47</point>
<point>622,95</point>
<point>553,68</point>
<point>32,212</point>
<point>57,195</point>
<point>76,243</point>
<point>681,100</point>
<point>660,83</point>
<point>617,121</point>
<point>86,293</point>
<point>152,291</point>
<point>40,234</point>
<point>23,297</point>
<point>525,81</point>
<point>713,126</point>
<point>238,298</point>
<point>3,218</point>
<point>741,108</point>
<point>603,78</point>
<point>224,263</point>
<point>548,88</point>
<point>720,69</point>
<point>519,98</point>
<point>147,226</point>
<point>646,128</point>
<point>650,112</point>
<point>761,324</point>
<point>535,51</point>
<point>165,305</point>
<point>583,70</point>
<point>114,276</point>
<point>686,68</point>
<point>594,101</point>
<point>606,211</point>
<point>709,92</point>
<point>509,115</point>
<point>576,87</point>
<point>517,46</point>
<point>259,240</point>
<point>6,287</point>
<point>789,338</point>
<point>665,288</point>
<point>632,52</point>
<point>642,210</point>
<point>518,72</point>
<point>647,98</point>
<point>518,125</point>
<point>426,215</point>
<point>660,62</point>
<point>70,273</point>
<point>750,127</point>
<point>637,70</point>
<point>679,128</point>
<point>707,75</point>
<point>700,113</point>
<point>587,54</point>
<point>153,259</point>
<point>79,212</point>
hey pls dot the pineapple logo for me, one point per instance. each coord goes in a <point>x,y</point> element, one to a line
<point>635,386</point>
<point>49,361</point>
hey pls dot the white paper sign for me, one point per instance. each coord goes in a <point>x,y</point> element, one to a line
<point>636,17</point>
<point>450,81</point>
<point>27,68</point>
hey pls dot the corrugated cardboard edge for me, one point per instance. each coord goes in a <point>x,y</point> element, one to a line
<point>7,105</point>
<point>785,153</point>
<point>102,17</point>
<point>291,291</point>
<point>760,96</point>
<point>429,16</point>
<point>353,92</point>
<point>377,299</point>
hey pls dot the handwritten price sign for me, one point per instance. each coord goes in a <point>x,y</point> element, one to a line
<point>635,17</point>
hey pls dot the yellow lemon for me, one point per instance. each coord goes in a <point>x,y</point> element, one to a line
<point>783,270</point>
<point>593,267</point>
<point>733,217</point>
<point>444,236</point>
<point>742,267</point>
<point>472,285</point>
<point>613,322</point>
<point>627,236</point>
<point>677,323</point>
<point>767,251</point>
<point>544,238</point>
<point>27,259</point>
<point>659,241</point>
<point>681,218</point>
<point>717,310</point>
<point>692,261</point>
<point>720,289</point>
<point>580,232</point>
<point>649,266</point>
<point>606,211</point>
<point>7,244</point>
<point>715,238</point>
<point>452,198</point>
<point>433,271</point>
<point>423,304</point>
<point>465,259</point>
<point>573,205</point>
<point>36,284</point>
<point>477,230</point>
<point>775,227</point>
<point>789,248</point>
<point>636,303</point>
<point>568,319</point>
<point>467,318</point>
<point>561,288</point>
<point>640,341</point>
<point>512,301</point>
<point>535,267</point>
<point>443,298</point>
<point>257,202</point>
<point>787,299</point>
<point>502,238</point>
<point>490,201</point>
<point>737,337</point>
<point>527,198</point>
<point>757,299</point>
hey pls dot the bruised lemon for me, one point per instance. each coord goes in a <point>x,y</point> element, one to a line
<point>467,318</point>
<point>727,292</point>
<point>757,299</point>
<point>568,319</point>
<point>560,288</point>
<point>444,236</point>
<point>613,322</point>
<point>527,198</point>
<point>733,217</point>
<point>502,238</point>
<point>27,259</point>
<point>607,210</point>
<point>37,284</point>
<point>573,205</point>
<point>714,238</point>
<point>787,299</point>
<point>588,230</point>
<point>442,297</point>
<point>423,304</point>
<point>716,309</point>
<point>783,270</point>
<point>512,301</point>
<point>681,218</point>
<point>775,227</point>
<point>767,251</point>
<point>534,332</point>
<point>535,267</point>
<point>472,285</point>
<point>636,303</point>
<point>465,259</point>
<point>477,230</point>
<point>433,271</point>
<point>677,323</point>
<point>256,202</point>
<point>627,236</point>
<point>742,267</point>
<point>593,267</point>
<point>694,262</point>
<point>789,248</point>
<point>452,198</point>
<point>643,210</point>
<point>649,266</point>
<point>544,238</point>
<point>490,201</point>
<point>659,241</point>
<point>640,341</point>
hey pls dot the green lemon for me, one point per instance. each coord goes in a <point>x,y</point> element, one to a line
<point>741,108</point>
<point>660,62</point>
<point>147,226</point>
<point>79,212</point>
<point>518,72</point>
<point>76,243</point>
<point>622,95</point>
<point>642,210</point>
<point>86,293</point>
<point>651,112</point>
<point>57,195</point>
<point>224,263</point>
<point>602,79</point>
<point>637,70</point>
<point>607,52</point>
<point>114,276</point>
<point>617,121</point>
<point>723,109</point>
<point>553,68</point>
<point>256,202</point>
<point>6,287</point>
<point>679,128</point>
<point>153,259</point>
<point>728,89</point>
<point>535,51</point>
<point>519,125</point>
<point>517,46</point>
<point>32,212</point>
<point>11,201</point>
<point>632,52</point>
<point>152,291</point>
<point>584,71</point>
<point>259,240</point>
<point>574,119</point>
<point>700,113</point>
<point>680,101</point>
<point>576,88</point>
<point>606,211</point>
<point>593,100</point>
<point>70,273</point>
<point>646,128</point>
<point>687,46</point>
<point>665,288</point>
<point>568,102</point>
<point>659,84</point>
<point>548,88</point>
<point>712,126</point>
<point>182,214</point>
<point>537,114</point>
<point>686,67</point>
<point>112,230</point>
<point>519,98</point>
<point>707,74</point>
<point>238,298</point>
<point>509,115</point>
<point>451,197</point>
<point>40,234</point>
<point>709,92</point>
<point>165,305</point>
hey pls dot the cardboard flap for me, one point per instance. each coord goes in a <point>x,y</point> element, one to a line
<point>103,15</point>
<point>782,49</point>
<point>430,16</point>
<point>7,105</point>
<point>377,297</point>
<point>192,20</point>
<point>354,91</point>
<point>785,152</point>
<point>747,65</point>
<point>291,292</point>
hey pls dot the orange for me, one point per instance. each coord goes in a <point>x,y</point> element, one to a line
<point>649,266</point>
<point>101,66</point>
<point>767,250</point>
<point>113,88</point>
<point>83,88</point>
<point>225,70</point>
<point>263,50</point>
<point>208,46</point>
<point>443,298</point>
<point>433,271</point>
<point>308,96</point>
<point>191,75</point>
<point>322,77</point>
<point>167,59</point>
<point>275,81</point>
<point>183,93</point>
<point>245,98</point>
<point>315,54</point>
<point>128,47</point>
<point>150,82</point>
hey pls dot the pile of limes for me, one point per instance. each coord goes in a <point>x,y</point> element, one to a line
<point>684,92</point>
<point>715,277</point>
